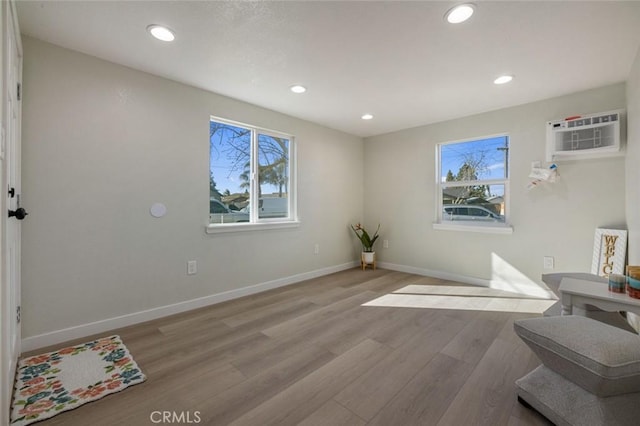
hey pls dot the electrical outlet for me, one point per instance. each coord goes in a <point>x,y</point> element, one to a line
<point>192,267</point>
<point>316,249</point>
<point>385,243</point>
<point>548,262</point>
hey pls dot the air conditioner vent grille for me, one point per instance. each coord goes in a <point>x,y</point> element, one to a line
<point>596,135</point>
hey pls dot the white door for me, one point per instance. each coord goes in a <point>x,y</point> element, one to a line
<point>10,152</point>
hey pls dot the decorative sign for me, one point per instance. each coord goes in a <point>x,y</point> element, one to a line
<point>609,252</point>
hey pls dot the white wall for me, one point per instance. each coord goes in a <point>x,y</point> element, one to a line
<point>5,339</point>
<point>556,221</point>
<point>633,162</point>
<point>103,142</point>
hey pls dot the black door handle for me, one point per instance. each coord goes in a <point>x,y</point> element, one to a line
<point>18,213</point>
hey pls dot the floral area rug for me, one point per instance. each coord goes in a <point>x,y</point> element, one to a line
<point>58,381</point>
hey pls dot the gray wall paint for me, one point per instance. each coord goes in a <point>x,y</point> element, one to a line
<point>558,220</point>
<point>103,142</point>
<point>633,162</point>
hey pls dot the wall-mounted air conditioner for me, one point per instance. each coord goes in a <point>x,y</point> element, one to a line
<point>587,136</point>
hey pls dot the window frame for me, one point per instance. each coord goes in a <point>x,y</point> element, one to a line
<point>471,225</point>
<point>255,222</point>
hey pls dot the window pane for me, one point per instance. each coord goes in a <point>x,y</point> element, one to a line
<point>273,176</point>
<point>229,167</point>
<point>483,203</point>
<point>474,160</point>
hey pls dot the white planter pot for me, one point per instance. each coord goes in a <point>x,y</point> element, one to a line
<point>368,257</point>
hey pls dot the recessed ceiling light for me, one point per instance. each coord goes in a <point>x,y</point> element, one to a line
<point>367,117</point>
<point>459,13</point>
<point>503,79</point>
<point>298,89</point>
<point>161,33</point>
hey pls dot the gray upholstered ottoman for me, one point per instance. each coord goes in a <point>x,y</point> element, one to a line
<point>590,373</point>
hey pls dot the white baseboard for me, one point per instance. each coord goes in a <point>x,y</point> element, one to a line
<point>514,287</point>
<point>79,331</point>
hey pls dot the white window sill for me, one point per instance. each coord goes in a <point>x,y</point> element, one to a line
<point>243,227</point>
<point>487,228</point>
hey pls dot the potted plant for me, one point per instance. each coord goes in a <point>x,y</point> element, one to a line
<point>367,241</point>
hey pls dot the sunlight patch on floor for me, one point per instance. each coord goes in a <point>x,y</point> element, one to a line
<point>460,291</point>
<point>461,298</point>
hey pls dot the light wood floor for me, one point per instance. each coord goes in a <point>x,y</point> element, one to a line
<point>310,354</point>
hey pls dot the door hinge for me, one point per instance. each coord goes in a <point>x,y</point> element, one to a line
<point>19,91</point>
<point>18,314</point>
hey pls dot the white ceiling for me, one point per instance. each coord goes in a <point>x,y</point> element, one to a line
<point>399,61</point>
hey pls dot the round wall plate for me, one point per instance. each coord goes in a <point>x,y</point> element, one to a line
<point>158,210</point>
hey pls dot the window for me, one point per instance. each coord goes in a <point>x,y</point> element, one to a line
<point>473,183</point>
<point>250,179</point>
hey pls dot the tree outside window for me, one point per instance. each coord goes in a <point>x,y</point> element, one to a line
<point>250,173</point>
<point>473,180</point>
